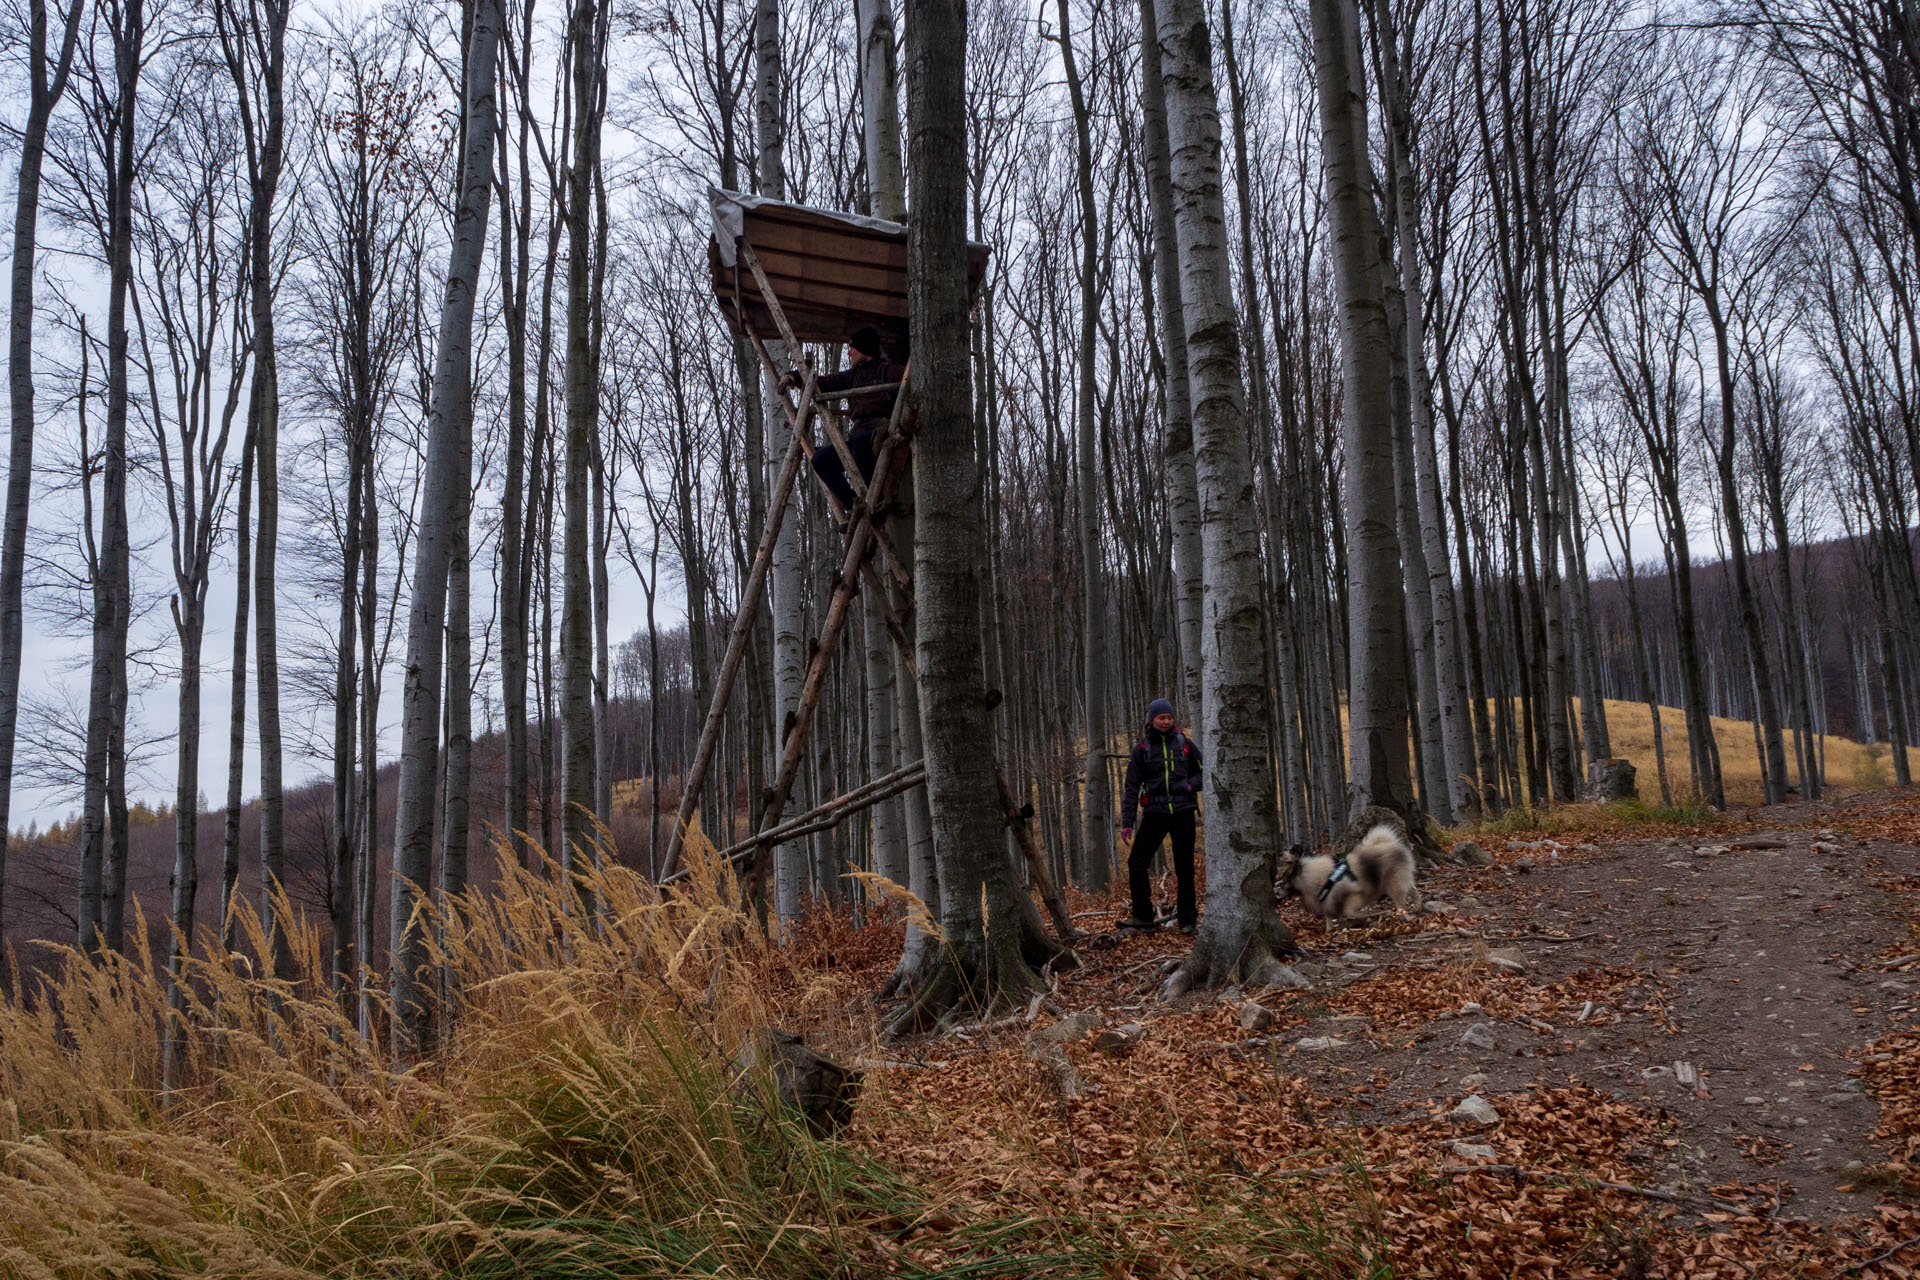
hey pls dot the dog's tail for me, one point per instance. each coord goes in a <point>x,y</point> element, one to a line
<point>1379,844</point>
<point>1391,864</point>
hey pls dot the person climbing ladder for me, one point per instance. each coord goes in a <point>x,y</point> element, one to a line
<point>1163,783</point>
<point>868,413</point>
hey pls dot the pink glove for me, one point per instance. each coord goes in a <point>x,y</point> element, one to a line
<point>1126,833</point>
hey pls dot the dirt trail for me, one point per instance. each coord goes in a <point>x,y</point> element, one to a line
<point>1673,1028</point>
<point>1759,958</point>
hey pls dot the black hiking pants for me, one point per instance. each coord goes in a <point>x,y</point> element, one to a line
<point>1153,828</point>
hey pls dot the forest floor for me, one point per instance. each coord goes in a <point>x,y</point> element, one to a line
<point>1699,1044</point>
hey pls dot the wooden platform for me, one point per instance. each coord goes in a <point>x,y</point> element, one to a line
<point>832,272</point>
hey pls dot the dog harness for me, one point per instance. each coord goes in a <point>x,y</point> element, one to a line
<point>1341,871</point>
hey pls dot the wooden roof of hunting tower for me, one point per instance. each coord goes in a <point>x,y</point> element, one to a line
<point>831,272</point>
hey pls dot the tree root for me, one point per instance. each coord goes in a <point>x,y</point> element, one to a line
<point>957,987</point>
<point>1258,961</point>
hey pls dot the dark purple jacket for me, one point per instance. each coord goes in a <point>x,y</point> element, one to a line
<point>1163,775</point>
<point>870,411</point>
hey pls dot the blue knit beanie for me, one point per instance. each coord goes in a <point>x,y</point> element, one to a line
<point>1159,707</point>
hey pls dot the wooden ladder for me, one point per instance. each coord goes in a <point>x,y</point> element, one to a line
<point>863,538</point>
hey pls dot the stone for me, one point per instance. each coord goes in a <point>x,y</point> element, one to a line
<point>1523,865</point>
<point>1470,853</point>
<point>1122,1039</point>
<point>1474,1152</point>
<point>1759,841</point>
<point>1652,1074</point>
<point>1474,1083</point>
<point>1508,960</point>
<point>1321,1044</point>
<point>1474,1109</point>
<point>1479,1036</point>
<point>1438,908</point>
<point>1471,1009</point>
<point>1846,1099</point>
<point>821,1091</point>
<point>1609,780</point>
<point>1356,957</point>
<point>1752,1101</point>
<point>1070,1028</point>
<point>1255,1016</point>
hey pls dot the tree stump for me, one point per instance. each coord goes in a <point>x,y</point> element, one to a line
<point>821,1091</point>
<point>1612,780</point>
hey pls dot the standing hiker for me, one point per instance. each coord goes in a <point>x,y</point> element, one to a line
<point>1163,780</point>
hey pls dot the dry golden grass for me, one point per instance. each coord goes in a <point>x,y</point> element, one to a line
<point>1850,766</point>
<point>581,1117</point>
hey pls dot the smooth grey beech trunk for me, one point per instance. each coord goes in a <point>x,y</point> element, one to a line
<point>1176,409</point>
<point>516,234</point>
<point>46,85</point>
<point>252,40</point>
<point>1241,937</point>
<point>789,571</point>
<point>1379,767</point>
<point>578,840</point>
<point>103,804</point>
<point>886,183</point>
<point>1456,726</point>
<point>1096,832</point>
<point>448,417</point>
<point>879,108</point>
<point>987,957</point>
<point>237,697</point>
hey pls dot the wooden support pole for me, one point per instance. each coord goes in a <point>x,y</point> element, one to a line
<point>793,749</point>
<point>1016,818</point>
<point>736,648</point>
<point>824,816</point>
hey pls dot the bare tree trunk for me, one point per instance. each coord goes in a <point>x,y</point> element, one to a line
<point>788,578</point>
<point>345,746</point>
<point>44,93</point>
<point>986,961</point>
<point>457,771</point>
<point>879,110</point>
<point>449,419</point>
<point>879,97</point>
<point>1456,728</point>
<point>1377,698</point>
<point>1241,938</point>
<point>237,697</point>
<point>516,233</point>
<point>577,838</point>
<point>1097,814</point>
<point>103,833</point>
<point>1176,409</point>
<point>253,43</point>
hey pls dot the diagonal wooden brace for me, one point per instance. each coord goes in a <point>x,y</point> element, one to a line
<point>743,619</point>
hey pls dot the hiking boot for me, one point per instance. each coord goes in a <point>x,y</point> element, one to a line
<point>1135,922</point>
<point>1189,930</point>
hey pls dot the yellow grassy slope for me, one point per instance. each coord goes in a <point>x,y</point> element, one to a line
<point>1850,766</point>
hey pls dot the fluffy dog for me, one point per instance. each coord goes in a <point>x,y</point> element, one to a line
<point>1380,866</point>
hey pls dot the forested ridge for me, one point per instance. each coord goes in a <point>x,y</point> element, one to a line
<point>1462,412</point>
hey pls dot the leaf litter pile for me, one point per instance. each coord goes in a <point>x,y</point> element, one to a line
<point>1212,1144</point>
